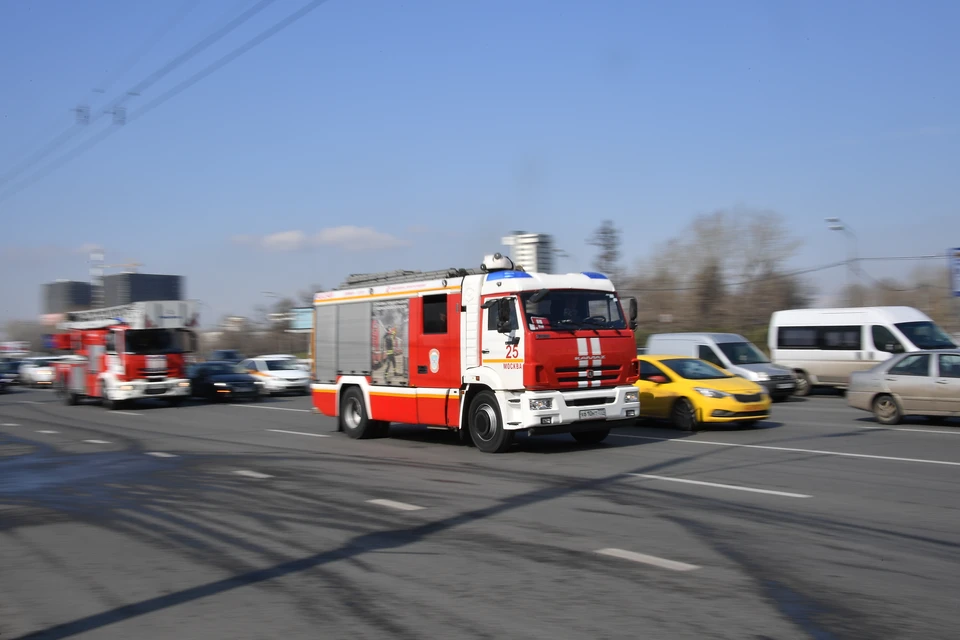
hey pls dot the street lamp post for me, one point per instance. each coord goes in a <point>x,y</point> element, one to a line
<point>836,224</point>
<point>275,296</point>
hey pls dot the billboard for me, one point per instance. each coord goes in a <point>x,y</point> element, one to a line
<point>301,319</point>
<point>955,271</point>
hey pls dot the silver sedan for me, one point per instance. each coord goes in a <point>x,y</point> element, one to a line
<point>925,383</point>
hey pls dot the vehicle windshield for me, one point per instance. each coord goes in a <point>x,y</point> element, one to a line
<point>740,353</point>
<point>926,335</point>
<point>572,309</point>
<point>693,369</point>
<point>222,368</point>
<point>286,364</point>
<point>41,363</point>
<point>152,341</point>
<point>227,355</point>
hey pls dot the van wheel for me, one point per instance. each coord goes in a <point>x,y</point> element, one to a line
<point>683,415</point>
<point>886,410</point>
<point>803,385</point>
<point>353,415</point>
<point>486,424</point>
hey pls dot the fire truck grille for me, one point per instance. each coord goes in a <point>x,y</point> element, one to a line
<point>153,375</point>
<point>603,375</point>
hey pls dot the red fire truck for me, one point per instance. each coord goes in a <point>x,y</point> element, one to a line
<point>488,352</point>
<point>121,354</point>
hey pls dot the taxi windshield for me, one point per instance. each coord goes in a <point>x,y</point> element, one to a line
<point>693,369</point>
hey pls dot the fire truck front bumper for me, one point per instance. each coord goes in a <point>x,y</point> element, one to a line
<point>140,389</point>
<point>544,412</point>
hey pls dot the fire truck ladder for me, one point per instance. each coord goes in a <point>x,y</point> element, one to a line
<point>98,318</point>
<point>358,280</point>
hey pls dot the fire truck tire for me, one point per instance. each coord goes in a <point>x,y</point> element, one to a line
<point>591,437</point>
<point>353,416</point>
<point>486,424</point>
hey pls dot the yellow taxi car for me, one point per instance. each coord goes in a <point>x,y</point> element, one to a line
<point>690,392</point>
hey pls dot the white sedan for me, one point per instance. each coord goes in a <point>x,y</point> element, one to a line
<point>278,374</point>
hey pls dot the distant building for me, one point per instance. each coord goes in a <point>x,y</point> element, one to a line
<point>234,323</point>
<point>124,288</point>
<point>532,251</point>
<point>64,296</point>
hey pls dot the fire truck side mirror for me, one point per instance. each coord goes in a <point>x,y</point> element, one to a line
<point>634,312</point>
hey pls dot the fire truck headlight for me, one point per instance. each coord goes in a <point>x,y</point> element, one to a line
<point>541,404</point>
<point>631,396</point>
<point>126,387</point>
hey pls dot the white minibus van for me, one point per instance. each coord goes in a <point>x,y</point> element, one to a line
<point>824,346</point>
<point>728,351</point>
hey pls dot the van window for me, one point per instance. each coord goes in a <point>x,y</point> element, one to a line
<point>797,337</point>
<point>435,314</point>
<point>742,353</point>
<point>884,340</point>
<point>841,338</point>
<point>915,365</point>
<point>926,335</point>
<point>708,354</point>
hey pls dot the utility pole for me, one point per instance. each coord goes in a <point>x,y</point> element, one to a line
<point>836,224</point>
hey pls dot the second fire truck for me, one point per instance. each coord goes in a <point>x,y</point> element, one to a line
<point>121,354</point>
<point>489,353</point>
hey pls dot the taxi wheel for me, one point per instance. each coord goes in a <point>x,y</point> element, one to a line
<point>683,415</point>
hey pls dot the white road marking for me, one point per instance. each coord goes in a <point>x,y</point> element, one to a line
<point>771,492</point>
<point>252,474</point>
<point>643,558</point>
<point>402,506</point>
<point>161,454</point>
<point>47,431</point>
<point>126,413</point>
<point>26,402</point>
<point>9,424</point>
<point>301,433</point>
<point>791,449</point>
<point>953,433</point>
<point>97,441</point>
<point>254,406</point>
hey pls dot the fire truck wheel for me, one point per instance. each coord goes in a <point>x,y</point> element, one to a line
<point>486,424</point>
<point>353,415</point>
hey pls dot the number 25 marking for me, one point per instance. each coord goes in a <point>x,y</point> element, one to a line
<point>512,351</point>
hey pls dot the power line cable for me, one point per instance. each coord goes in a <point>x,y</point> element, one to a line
<point>156,102</point>
<point>115,107</point>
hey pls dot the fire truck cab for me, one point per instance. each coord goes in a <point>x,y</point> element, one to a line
<point>121,354</point>
<point>489,353</point>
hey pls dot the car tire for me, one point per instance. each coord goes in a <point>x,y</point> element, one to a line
<point>684,416</point>
<point>353,415</point>
<point>591,437</point>
<point>887,410</point>
<point>803,385</point>
<point>486,424</point>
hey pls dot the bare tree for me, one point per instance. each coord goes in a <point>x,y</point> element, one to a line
<point>607,239</point>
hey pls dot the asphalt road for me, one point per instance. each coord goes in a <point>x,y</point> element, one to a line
<point>260,521</point>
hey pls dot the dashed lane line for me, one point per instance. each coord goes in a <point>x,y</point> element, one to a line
<point>952,433</point>
<point>717,485</point>
<point>789,449</point>
<point>300,433</point>
<point>161,454</point>
<point>643,558</point>
<point>48,431</point>
<point>97,441</point>
<point>393,504</point>
<point>9,424</point>
<point>252,474</point>
<point>255,406</point>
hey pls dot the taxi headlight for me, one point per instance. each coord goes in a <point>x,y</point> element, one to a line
<point>711,393</point>
<point>541,404</point>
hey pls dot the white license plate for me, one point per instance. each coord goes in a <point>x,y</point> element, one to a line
<point>785,385</point>
<point>589,414</point>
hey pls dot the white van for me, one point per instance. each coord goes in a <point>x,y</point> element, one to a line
<point>824,346</point>
<point>729,351</point>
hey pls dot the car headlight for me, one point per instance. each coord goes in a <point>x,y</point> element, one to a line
<point>258,382</point>
<point>219,384</point>
<point>763,377</point>
<point>126,387</point>
<point>711,393</point>
<point>184,384</point>
<point>631,396</point>
<point>541,404</point>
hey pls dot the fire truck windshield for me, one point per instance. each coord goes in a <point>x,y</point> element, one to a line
<point>159,341</point>
<point>568,309</point>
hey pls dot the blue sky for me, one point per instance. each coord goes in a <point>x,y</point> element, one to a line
<point>425,130</point>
